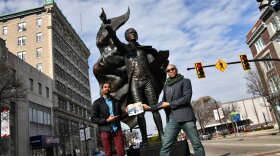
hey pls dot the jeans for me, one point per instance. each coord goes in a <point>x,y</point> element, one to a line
<point>108,137</point>
<point>171,132</point>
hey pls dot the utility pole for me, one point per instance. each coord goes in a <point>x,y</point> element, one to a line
<point>217,107</point>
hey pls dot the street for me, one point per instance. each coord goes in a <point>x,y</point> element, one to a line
<point>265,145</point>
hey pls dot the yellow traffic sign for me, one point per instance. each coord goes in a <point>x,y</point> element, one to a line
<point>221,65</point>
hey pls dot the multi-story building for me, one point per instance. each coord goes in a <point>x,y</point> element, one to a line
<point>44,38</point>
<point>30,116</point>
<point>263,41</point>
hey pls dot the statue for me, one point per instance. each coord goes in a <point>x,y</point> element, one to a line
<point>137,72</point>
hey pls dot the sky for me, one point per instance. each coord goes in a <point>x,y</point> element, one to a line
<point>192,30</point>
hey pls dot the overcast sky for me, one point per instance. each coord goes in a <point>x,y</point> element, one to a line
<point>193,31</point>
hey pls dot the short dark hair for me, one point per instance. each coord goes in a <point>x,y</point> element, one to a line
<point>126,33</point>
<point>105,83</point>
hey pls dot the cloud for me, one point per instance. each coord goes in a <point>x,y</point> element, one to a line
<point>200,30</point>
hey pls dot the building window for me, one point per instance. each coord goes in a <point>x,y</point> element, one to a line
<point>274,84</point>
<point>31,84</point>
<point>30,114</point>
<point>274,26</point>
<point>47,92</point>
<point>47,119</point>
<point>21,40</point>
<point>39,52</point>
<point>5,30</point>
<point>38,37</point>
<point>40,88</point>
<point>21,55</point>
<point>39,66</point>
<point>259,44</point>
<point>40,117</point>
<point>268,64</point>
<point>34,115</point>
<point>39,23</point>
<point>21,26</point>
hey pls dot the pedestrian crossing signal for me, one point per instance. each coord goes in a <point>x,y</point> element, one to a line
<point>244,62</point>
<point>199,70</point>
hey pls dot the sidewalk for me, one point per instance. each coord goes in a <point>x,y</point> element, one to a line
<point>253,133</point>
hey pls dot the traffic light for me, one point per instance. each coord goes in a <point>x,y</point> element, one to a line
<point>245,62</point>
<point>199,70</point>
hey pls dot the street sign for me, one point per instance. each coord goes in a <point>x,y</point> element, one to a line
<point>235,116</point>
<point>221,65</point>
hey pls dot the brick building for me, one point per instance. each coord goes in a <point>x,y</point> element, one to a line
<point>263,41</point>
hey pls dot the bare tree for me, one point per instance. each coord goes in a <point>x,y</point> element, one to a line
<point>11,88</point>
<point>255,87</point>
<point>254,84</point>
<point>203,109</point>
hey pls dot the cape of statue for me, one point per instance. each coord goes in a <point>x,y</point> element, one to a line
<point>110,67</point>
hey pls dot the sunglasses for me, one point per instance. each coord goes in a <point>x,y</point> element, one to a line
<point>169,70</point>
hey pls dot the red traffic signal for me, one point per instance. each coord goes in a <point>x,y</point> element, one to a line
<point>244,62</point>
<point>199,70</point>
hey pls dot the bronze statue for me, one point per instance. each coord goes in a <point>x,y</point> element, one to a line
<point>136,71</point>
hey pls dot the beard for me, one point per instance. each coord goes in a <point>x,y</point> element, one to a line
<point>106,92</point>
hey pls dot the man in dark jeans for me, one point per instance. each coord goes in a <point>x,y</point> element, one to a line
<point>107,113</point>
<point>176,102</point>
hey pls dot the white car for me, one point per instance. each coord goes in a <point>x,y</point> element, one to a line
<point>206,136</point>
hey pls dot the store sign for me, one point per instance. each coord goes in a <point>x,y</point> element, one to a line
<point>5,123</point>
<point>42,141</point>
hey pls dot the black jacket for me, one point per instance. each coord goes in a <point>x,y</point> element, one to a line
<point>100,113</point>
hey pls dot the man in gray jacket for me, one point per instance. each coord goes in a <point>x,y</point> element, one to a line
<point>176,102</point>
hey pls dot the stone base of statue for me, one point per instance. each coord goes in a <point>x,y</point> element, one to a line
<point>180,148</point>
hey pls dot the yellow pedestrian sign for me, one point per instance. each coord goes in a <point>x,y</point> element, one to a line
<point>221,65</point>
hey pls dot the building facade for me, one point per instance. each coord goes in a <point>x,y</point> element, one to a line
<point>254,112</point>
<point>263,41</point>
<point>44,38</point>
<point>32,116</point>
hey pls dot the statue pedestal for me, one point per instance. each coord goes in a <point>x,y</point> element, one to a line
<point>180,148</point>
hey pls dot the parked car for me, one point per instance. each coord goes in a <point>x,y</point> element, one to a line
<point>98,153</point>
<point>206,136</point>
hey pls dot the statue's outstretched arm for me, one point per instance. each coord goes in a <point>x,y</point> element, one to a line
<point>114,37</point>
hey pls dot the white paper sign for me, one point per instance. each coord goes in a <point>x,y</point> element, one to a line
<point>83,133</point>
<point>134,109</point>
<point>216,115</point>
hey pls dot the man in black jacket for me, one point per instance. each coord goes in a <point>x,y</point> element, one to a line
<point>107,113</point>
<point>176,102</point>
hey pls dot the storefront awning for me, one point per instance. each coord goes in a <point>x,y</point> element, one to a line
<point>44,141</point>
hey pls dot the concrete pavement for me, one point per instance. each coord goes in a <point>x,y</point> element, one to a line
<point>257,143</point>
